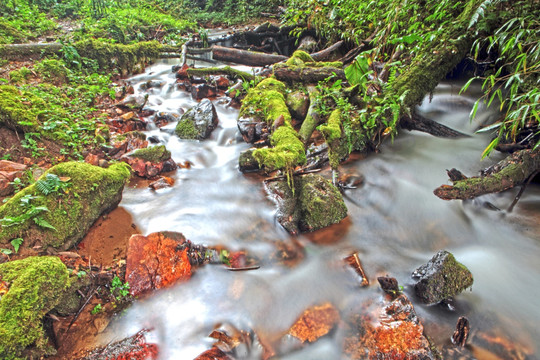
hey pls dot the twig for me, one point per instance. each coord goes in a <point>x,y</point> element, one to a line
<point>522,190</point>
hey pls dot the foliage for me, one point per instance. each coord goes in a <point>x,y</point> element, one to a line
<point>119,289</point>
<point>514,78</point>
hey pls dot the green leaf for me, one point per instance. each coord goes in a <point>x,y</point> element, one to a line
<point>43,223</point>
<point>490,147</point>
<point>6,251</point>
<point>16,243</point>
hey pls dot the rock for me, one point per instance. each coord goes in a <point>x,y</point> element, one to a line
<point>152,84</point>
<point>213,354</point>
<point>315,322</point>
<point>162,118</point>
<point>441,278</point>
<point>128,142</point>
<point>298,104</point>
<point>181,73</point>
<point>308,44</point>
<point>253,130</point>
<point>315,204</point>
<point>127,122</point>
<point>156,261</point>
<point>162,183</point>
<point>203,91</point>
<point>198,122</point>
<point>134,348</point>
<point>151,161</point>
<point>246,161</point>
<point>35,286</point>
<point>91,192</point>
<point>133,101</point>
<point>221,82</point>
<point>9,171</point>
<point>92,159</point>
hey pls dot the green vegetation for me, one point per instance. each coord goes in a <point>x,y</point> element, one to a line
<point>154,154</point>
<point>61,217</point>
<point>36,284</point>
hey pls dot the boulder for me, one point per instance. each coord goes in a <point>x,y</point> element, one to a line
<point>60,214</point>
<point>441,278</point>
<point>314,204</point>
<point>151,161</point>
<point>156,261</point>
<point>9,171</point>
<point>298,104</point>
<point>136,101</point>
<point>163,118</point>
<point>198,122</point>
<point>35,285</point>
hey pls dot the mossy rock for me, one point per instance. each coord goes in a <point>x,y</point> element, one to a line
<point>265,102</point>
<point>298,104</point>
<point>154,154</point>
<point>93,190</point>
<point>442,278</point>
<point>198,122</point>
<point>287,153</point>
<point>35,286</point>
<point>298,58</point>
<point>19,109</point>
<point>314,204</point>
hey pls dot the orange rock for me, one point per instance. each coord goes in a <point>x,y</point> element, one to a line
<point>153,262</point>
<point>315,322</point>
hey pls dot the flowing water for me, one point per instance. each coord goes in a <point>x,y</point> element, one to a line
<point>395,223</point>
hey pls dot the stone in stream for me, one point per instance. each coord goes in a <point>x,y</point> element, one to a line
<point>441,278</point>
<point>156,261</point>
<point>163,118</point>
<point>151,161</point>
<point>198,122</point>
<point>203,91</point>
<point>314,204</point>
<point>134,347</point>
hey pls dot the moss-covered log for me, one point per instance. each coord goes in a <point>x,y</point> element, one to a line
<point>25,51</point>
<point>307,73</point>
<point>61,218</point>
<point>250,58</point>
<point>313,117</point>
<point>227,70</point>
<point>512,171</point>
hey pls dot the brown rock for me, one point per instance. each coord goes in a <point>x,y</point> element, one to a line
<point>182,72</point>
<point>162,183</point>
<point>203,91</point>
<point>315,322</point>
<point>92,159</point>
<point>9,171</point>
<point>156,261</point>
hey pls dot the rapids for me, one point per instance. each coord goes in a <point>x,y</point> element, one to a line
<point>395,223</point>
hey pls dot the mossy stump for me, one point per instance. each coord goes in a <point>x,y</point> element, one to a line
<point>35,287</point>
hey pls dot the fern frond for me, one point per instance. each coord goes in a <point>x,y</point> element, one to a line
<point>43,223</point>
<point>480,12</point>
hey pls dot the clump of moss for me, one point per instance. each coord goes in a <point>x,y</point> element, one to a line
<point>288,150</point>
<point>19,109</point>
<point>93,190</point>
<point>333,134</point>
<point>52,69</point>
<point>266,102</point>
<point>154,154</point>
<point>298,58</point>
<point>21,75</point>
<point>35,286</point>
<point>185,129</point>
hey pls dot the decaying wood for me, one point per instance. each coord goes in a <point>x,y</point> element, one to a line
<point>313,117</point>
<point>306,74</point>
<point>18,51</point>
<point>227,70</point>
<point>515,170</point>
<point>354,261</point>
<point>421,123</point>
<point>461,334</point>
<point>325,53</point>
<point>243,57</point>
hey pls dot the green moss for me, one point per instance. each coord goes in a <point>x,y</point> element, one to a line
<point>321,203</point>
<point>288,150</point>
<point>124,57</point>
<point>298,58</point>
<point>266,102</point>
<point>17,76</point>
<point>35,286</point>
<point>93,191</point>
<point>227,70</point>
<point>52,69</point>
<point>154,154</point>
<point>185,129</point>
<point>20,109</point>
<point>333,135</point>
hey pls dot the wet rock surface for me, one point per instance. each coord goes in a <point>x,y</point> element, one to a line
<point>315,203</point>
<point>156,261</point>
<point>198,122</point>
<point>150,162</point>
<point>134,347</point>
<point>9,171</point>
<point>441,278</point>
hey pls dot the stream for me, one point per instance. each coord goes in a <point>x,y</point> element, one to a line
<point>395,223</point>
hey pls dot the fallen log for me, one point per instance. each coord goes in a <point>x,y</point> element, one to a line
<point>18,51</point>
<point>227,70</point>
<point>325,53</point>
<point>515,170</point>
<point>306,74</point>
<point>243,57</point>
<point>421,123</point>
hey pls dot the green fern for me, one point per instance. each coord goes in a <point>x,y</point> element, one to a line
<point>50,184</point>
<point>481,11</point>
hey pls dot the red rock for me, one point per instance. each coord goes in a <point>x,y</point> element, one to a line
<point>153,262</point>
<point>92,159</point>
<point>132,348</point>
<point>315,322</point>
<point>202,91</point>
<point>222,82</point>
<point>213,354</point>
<point>9,171</point>
<point>161,183</point>
<point>182,72</point>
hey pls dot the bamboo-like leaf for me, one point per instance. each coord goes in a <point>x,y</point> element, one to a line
<point>472,115</point>
<point>490,147</point>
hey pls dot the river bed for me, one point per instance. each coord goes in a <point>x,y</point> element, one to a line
<point>395,223</point>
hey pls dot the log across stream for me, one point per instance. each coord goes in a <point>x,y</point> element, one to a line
<point>395,224</point>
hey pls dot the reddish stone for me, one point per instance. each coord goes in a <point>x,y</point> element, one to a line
<point>161,183</point>
<point>315,322</point>
<point>202,91</point>
<point>92,159</point>
<point>213,354</point>
<point>182,72</point>
<point>222,82</point>
<point>132,348</point>
<point>156,261</point>
<point>9,171</point>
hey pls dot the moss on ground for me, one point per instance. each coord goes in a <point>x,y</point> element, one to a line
<point>93,190</point>
<point>154,154</point>
<point>298,58</point>
<point>20,109</point>
<point>35,286</point>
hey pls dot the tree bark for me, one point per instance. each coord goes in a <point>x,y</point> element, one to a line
<point>227,70</point>
<point>19,51</point>
<point>243,57</point>
<point>515,170</point>
<point>306,74</point>
<point>420,123</point>
<point>325,53</point>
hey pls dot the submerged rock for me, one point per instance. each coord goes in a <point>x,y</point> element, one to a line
<point>315,322</point>
<point>198,122</point>
<point>441,278</point>
<point>35,287</point>
<point>61,206</point>
<point>315,203</point>
<point>163,118</point>
<point>156,261</point>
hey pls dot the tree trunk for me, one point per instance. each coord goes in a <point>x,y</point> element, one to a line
<point>325,53</point>
<point>306,74</point>
<point>244,57</point>
<point>512,171</point>
<point>420,123</point>
<point>20,51</point>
